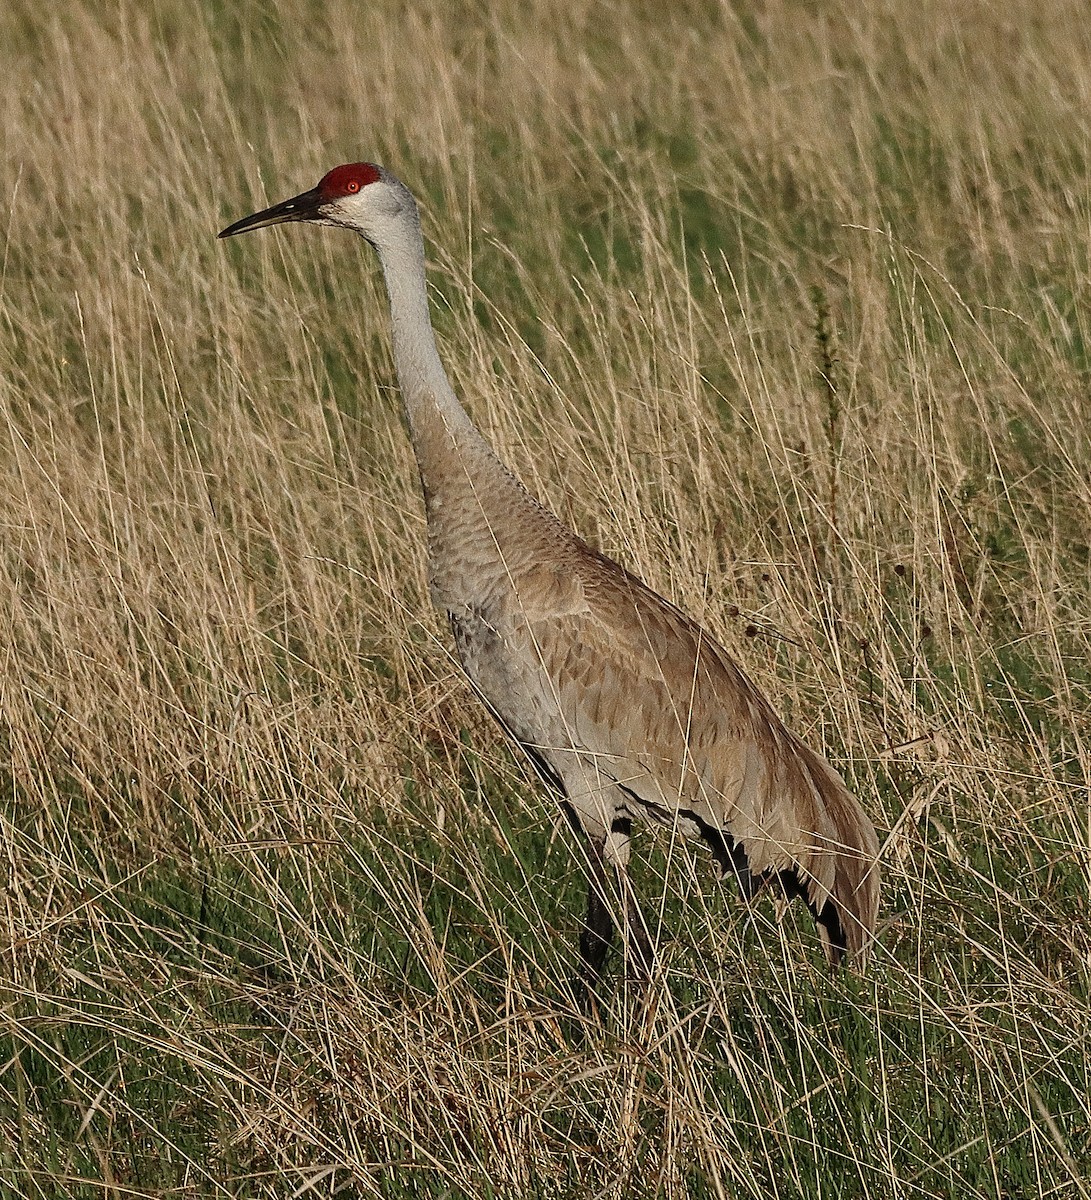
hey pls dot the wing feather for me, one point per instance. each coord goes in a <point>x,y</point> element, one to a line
<point>669,716</point>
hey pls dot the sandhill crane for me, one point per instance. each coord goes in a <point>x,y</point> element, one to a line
<point>627,706</point>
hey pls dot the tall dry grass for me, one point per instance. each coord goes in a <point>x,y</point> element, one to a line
<point>782,306</point>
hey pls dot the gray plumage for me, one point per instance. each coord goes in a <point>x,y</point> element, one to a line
<point>625,703</point>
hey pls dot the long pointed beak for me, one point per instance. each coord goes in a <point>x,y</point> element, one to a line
<point>304,207</point>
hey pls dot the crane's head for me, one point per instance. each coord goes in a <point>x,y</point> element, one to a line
<point>359,196</point>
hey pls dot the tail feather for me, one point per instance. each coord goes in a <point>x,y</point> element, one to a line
<point>841,880</point>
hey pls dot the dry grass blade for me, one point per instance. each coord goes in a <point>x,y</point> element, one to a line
<point>281,912</point>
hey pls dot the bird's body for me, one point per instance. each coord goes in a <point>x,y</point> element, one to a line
<point>627,705</point>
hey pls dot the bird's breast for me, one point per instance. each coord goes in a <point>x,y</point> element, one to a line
<point>493,637</point>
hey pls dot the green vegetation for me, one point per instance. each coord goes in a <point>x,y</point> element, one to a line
<point>785,308</point>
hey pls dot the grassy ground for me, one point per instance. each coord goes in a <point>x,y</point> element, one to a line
<point>785,306</point>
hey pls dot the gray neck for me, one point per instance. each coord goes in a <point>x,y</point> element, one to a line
<point>470,496</point>
<point>437,421</point>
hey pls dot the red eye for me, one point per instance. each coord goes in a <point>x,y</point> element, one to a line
<point>348,179</point>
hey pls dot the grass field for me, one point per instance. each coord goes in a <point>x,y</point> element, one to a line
<point>783,305</point>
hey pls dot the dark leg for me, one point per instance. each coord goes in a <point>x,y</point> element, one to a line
<point>604,853</point>
<point>598,926</point>
<point>597,932</point>
<point>598,929</point>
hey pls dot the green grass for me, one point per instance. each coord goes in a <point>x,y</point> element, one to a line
<point>783,307</point>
